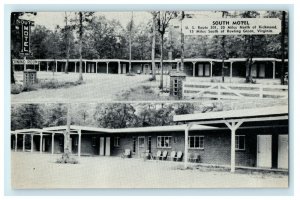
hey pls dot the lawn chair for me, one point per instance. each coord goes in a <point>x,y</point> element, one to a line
<point>158,155</point>
<point>195,158</point>
<point>173,155</point>
<point>178,156</point>
<point>126,154</point>
<point>164,155</point>
<point>191,157</point>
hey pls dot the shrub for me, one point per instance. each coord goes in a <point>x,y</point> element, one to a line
<point>16,88</point>
<point>152,78</point>
<point>130,74</point>
<point>28,88</point>
<point>65,158</point>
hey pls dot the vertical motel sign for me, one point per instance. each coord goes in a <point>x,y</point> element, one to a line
<point>25,26</point>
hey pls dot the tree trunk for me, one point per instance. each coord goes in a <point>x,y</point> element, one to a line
<point>130,52</point>
<point>153,49</point>
<point>223,79</point>
<point>161,86</point>
<point>182,44</point>
<point>282,47</point>
<point>67,149</point>
<point>68,44</point>
<point>80,46</point>
<point>12,77</point>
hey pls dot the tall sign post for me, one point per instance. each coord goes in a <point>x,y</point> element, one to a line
<point>25,26</point>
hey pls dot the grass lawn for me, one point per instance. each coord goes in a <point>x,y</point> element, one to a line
<point>34,170</point>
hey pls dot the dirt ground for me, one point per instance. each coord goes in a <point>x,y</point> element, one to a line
<point>97,87</point>
<point>34,170</point>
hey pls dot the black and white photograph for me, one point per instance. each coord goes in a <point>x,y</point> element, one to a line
<point>149,99</point>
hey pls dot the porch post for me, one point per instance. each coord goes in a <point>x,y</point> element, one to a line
<point>194,63</point>
<point>41,142</point>
<point>84,66</point>
<point>211,68</point>
<point>16,143</point>
<point>177,66</point>
<point>96,67</point>
<point>56,66</point>
<point>52,144</point>
<point>233,127</point>
<point>119,67</point>
<point>273,69</point>
<point>186,143</point>
<point>107,67</point>
<point>75,66</point>
<point>31,143</point>
<point>79,143</point>
<point>24,142</point>
<point>230,69</point>
<point>39,66</point>
<point>47,66</point>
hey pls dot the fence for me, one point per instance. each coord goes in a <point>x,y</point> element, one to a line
<point>219,91</point>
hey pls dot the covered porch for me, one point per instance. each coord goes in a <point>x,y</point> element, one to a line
<point>271,148</point>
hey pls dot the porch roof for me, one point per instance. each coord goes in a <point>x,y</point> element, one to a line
<point>130,130</point>
<point>256,114</point>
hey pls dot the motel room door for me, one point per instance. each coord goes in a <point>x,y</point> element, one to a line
<point>283,152</point>
<point>141,146</point>
<point>264,151</point>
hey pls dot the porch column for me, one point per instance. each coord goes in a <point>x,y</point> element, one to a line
<point>31,143</point>
<point>211,68</point>
<point>96,67</point>
<point>41,142</point>
<point>230,69</point>
<point>119,67</point>
<point>75,66</point>
<point>84,66</point>
<point>186,143</point>
<point>233,127</point>
<point>24,142</point>
<point>177,66</point>
<point>52,143</point>
<point>56,66</point>
<point>194,63</point>
<point>273,69</point>
<point>16,142</point>
<point>47,66</point>
<point>39,66</point>
<point>107,67</point>
<point>79,143</point>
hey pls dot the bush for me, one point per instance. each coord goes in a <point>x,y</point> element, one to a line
<point>66,159</point>
<point>28,88</point>
<point>16,88</point>
<point>130,74</point>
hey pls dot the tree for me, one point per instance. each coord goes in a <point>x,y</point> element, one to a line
<point>84,17</point>
<point>130,29</point>
<point>26,116</point>
<point>162,19</point>
<point>153,45</point>
<point>115,115</point>
<point>67,31</point>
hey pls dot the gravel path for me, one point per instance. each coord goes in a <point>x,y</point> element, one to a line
<point>34,170</point>
<point>97,87</point>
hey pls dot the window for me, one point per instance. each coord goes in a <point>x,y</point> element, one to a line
<point>141,142</point>
<point>116,141</point>
<point>149,144</point>
<point>196,142</point>
<point>239,142</point>
<point>175,87</point>
<point>93,141</point>
<point>164,141</point>
<point>134,144</point>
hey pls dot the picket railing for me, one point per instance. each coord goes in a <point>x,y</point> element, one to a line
<point>219,91</point>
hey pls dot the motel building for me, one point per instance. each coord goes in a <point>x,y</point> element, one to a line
<point>263,68</point>
<point>249,138</point>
